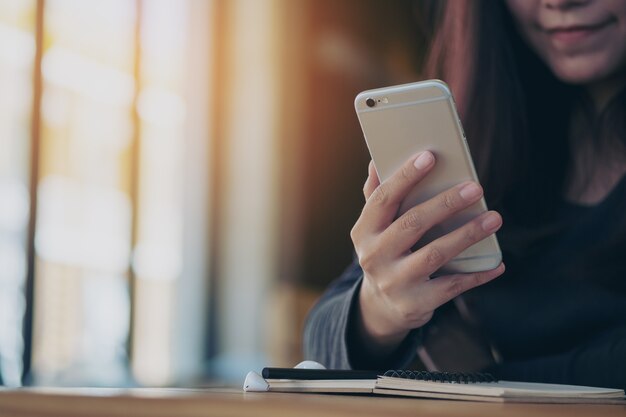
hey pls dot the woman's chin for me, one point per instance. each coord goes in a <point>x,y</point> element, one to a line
<point>583,71</point>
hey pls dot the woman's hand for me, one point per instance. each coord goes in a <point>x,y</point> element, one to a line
<point>397,294</point>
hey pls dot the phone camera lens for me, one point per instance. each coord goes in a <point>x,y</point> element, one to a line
<point>370,102</point>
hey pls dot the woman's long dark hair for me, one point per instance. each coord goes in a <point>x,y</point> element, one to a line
<point>517,115</point>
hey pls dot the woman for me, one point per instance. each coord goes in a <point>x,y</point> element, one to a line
<point>540,85</point>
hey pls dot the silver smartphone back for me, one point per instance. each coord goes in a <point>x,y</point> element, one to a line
<point>403,120</point>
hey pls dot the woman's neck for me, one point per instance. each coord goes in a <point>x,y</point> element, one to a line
<point>595,171</point>
<point>603,91</point>
<point>590,187</point>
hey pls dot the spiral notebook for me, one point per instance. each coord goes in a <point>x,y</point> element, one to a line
<point>456,386</point>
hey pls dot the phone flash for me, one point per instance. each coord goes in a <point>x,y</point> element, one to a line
<point>385,100</point>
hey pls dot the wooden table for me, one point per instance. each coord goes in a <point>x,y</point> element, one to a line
<point>88,402</point>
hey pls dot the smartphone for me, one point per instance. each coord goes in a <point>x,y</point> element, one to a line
<point>403,120</point>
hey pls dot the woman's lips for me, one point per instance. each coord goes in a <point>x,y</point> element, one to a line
<point>573,35</point>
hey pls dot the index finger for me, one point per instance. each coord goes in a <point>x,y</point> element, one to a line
<point>372,181</point>
<point>382,206</point>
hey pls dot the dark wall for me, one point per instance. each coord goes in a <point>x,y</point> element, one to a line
<point>353,45</point>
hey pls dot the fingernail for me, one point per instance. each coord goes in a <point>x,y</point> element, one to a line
<point>491,222</point>
<point>470,191</point>
<point>424,160</point>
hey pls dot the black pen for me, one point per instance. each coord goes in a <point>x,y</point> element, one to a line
<point>299,373</point>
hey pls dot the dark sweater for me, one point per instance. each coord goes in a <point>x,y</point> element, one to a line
<point>558,314</point>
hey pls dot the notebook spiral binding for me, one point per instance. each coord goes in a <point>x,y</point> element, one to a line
<point>451,377</point>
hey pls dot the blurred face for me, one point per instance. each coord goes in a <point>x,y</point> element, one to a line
<point>582,41</point>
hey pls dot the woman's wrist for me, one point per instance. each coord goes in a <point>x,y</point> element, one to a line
<point>380,336</point>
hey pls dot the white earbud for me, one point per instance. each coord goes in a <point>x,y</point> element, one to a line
<point>255,383</point>
<point>310,365</point>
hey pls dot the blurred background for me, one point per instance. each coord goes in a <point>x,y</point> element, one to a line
<point>178,179</point>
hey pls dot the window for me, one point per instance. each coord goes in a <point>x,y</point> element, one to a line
<point>109,179</point>
<point>84,213</point>
<point>17,54</point>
